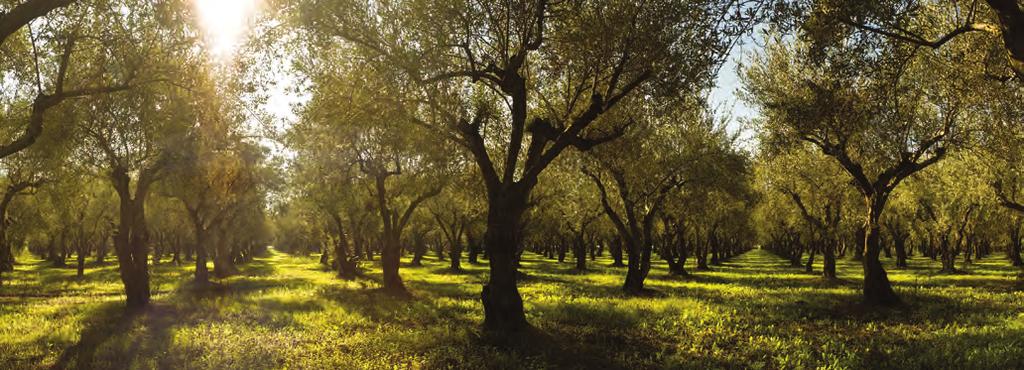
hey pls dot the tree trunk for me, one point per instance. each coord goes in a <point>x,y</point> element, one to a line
<point>420,249</point>
<point>325,255</point>
<point>130,244</point>
<point>900,244</point>
<point>346,268</point>
<point>638,267</point>
<point>809,266</point>
<point>877,288</point>
<point>101,250</point>
<point>223,264</point>
<point>6,256</point>
<point>81,260</point>
<point>1015,247</point>
<point>828,268</point>
<point>579,252</point>
<point>474,249</point>
<point>615,248</point>
<point>176,252</point>
<point>456,256</point>
<point>675,256</point>
<point>634,283</point>
<point>58,250</point>
<point>858,253</point>
<point>948,257</point>
<point>390,258</point>
<point>702,258</point>
<point>202,275</point>
<point>503,306</point>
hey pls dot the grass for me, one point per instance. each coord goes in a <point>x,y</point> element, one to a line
<point>287,312</point>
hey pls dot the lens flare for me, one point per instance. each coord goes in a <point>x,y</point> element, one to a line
<point>225,23</point>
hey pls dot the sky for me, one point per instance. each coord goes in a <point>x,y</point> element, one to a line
<point>226,24</point>
<point>724,95</point>
<point>281,101</point>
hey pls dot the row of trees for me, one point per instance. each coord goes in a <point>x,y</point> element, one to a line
<point>119,117</point>
<point>886,91</point>
<point>504,93</point>
<point>883,91</point>
<point>497,128</point>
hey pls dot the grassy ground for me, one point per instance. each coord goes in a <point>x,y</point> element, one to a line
<point>287,312</point>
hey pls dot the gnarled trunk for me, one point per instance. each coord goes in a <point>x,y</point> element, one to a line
<point>455,255</point>
<point>130,244</point>
<point>877,288</point>
<point>828,254</point>
<point>503,306</point>
<point>390,258</point>
<point>579,251</point>
<point>346,267</point>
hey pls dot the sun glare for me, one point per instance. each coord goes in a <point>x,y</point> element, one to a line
<point>225,23</point>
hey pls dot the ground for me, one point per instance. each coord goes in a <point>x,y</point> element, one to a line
<point>288,312</point>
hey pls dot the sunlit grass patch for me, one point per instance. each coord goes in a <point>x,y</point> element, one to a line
<point>289,312</point>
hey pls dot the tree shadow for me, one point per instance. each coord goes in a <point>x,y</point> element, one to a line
<point>149,326</point>
<point>446,270</point>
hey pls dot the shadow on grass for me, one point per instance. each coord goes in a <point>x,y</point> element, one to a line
<point>446,270</point>
<point>116,338</point>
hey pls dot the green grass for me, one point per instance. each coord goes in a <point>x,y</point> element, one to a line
<point>288,312</point>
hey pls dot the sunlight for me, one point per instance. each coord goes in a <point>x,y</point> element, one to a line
<point>225,23</point>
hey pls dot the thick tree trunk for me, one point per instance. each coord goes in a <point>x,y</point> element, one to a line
<point>1011,26</point>
<point>634,283</point>
<point>676,259</point>
<point>828,268</point>
<point>419,250</point>
<point>900,244</point>
<point>346,268</point>
<point>702,258</point>
<point>455,255</point>
<point>503,306</point>
<point>877,288</point>
<point>638,267</point>
<point>223,263</point>
<point>390,259</point>
<point>579,251</point>
<point>130,244</point>
<point>796,256</point>
<point>616,251</point>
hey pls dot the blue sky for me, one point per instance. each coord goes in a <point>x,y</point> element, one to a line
<point>723,97</point>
